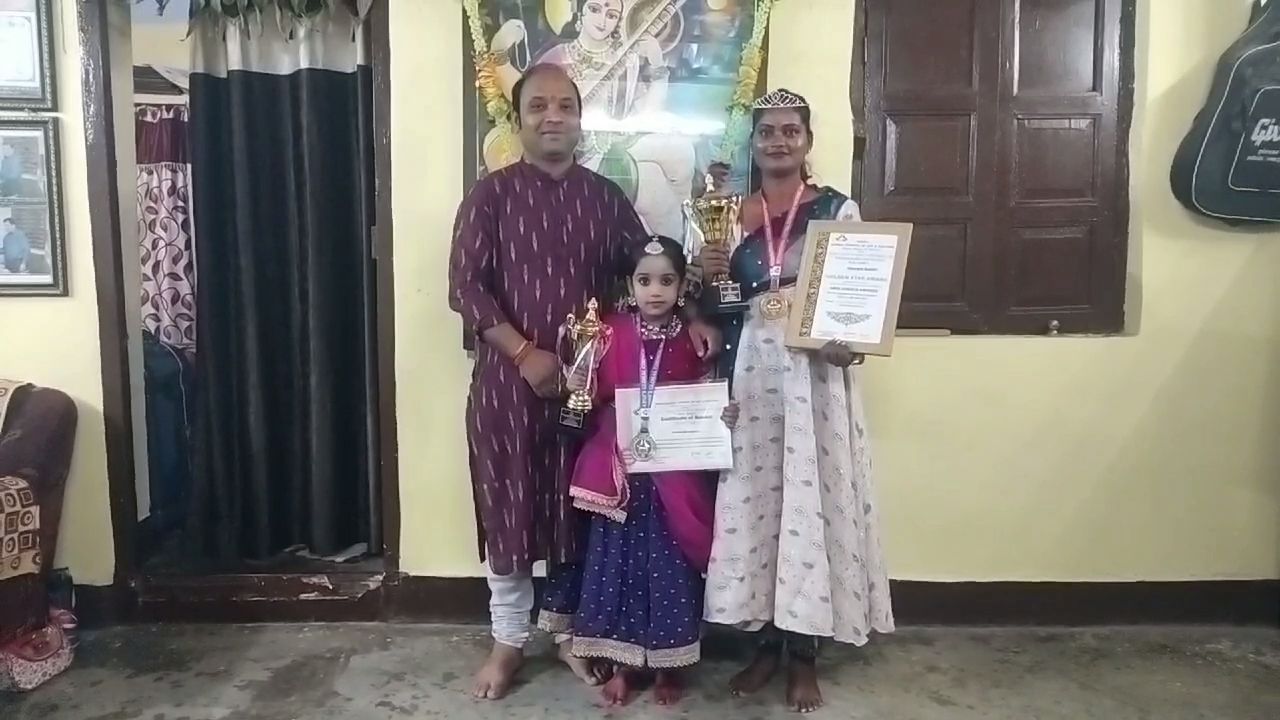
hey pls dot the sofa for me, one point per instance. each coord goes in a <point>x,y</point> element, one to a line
<point>37,437</point>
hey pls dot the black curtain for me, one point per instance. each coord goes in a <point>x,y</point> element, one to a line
<point>282,165</point>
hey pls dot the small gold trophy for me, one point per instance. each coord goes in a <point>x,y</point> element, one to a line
<point>585,336</point>
<point>717,216</point>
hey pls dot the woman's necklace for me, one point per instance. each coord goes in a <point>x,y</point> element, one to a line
<point>588,66</point>
<point>774,305</point>
<point>590,62</point>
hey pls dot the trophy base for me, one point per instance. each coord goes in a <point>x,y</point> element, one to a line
<point>572,422</point>
<point>723,298</point>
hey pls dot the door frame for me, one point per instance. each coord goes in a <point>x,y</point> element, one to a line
<point>133,594</point>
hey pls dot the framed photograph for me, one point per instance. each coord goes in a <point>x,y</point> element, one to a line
<point>32,250</point>
<point>26,55</point>
<point>850,286</point>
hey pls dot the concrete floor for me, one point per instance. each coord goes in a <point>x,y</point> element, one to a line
<point>401,671</point>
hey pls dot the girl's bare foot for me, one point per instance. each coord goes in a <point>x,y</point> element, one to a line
<point>620,690</point>
<point>803,693</point>
<point>590,672</point>
<point>493,680</point>
<point>757,674</point>
<point>668,687</point>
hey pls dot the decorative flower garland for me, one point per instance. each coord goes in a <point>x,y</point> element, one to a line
<point>500,112</point>
<point>496,103</point>
<point>738,126</point>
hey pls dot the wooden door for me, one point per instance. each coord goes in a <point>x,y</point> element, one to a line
<point>999,127</point>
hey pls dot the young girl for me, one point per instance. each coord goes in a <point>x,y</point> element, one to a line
<point>796,555</point>
<point>640,604</point>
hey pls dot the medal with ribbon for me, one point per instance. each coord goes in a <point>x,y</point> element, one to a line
<point>774,306</point>
<point>643,447</point>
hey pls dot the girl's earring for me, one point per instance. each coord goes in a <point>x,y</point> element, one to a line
<point>631,301</point>
<point>680,301</point>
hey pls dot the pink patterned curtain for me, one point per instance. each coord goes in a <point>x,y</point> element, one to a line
<point>166,245</point>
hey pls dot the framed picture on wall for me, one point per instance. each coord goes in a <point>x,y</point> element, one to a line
<point>26,55</point>
<point>32,249</point>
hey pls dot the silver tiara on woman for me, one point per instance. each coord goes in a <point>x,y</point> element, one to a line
<point>653,248</point>
<point>780,98</point>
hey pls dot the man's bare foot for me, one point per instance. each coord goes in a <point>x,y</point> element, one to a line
<point>493,681</point>
<point>803,693</point>
<point>757,674</point>
<point>668,687</point>
<point>591,672</point>
<point>621,688</point>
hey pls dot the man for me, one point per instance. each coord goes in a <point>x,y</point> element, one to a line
<point>532,243</point>
<point>14,246</point>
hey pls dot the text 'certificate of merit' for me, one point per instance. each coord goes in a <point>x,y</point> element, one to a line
<point>685,429</point>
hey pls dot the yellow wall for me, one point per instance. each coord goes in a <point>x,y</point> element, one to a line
<point>1140,457</point>
<point>54,341</point>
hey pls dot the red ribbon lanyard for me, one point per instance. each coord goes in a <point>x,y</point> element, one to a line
<point>775,245</point>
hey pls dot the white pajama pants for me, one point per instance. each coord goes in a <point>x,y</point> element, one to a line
<point>510,607</point>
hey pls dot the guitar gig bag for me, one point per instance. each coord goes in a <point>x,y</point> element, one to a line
<point>1228,165</point>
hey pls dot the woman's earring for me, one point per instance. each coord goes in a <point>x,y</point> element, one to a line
<point>578,25</point>
<point>631,301</point>
<point>680,301</point>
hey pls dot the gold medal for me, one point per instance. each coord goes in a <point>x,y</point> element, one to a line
<point>774,307</point>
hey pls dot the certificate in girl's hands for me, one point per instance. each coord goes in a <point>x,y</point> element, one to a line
<point>685,430</point>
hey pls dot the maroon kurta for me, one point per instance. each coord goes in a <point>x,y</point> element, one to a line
<point>529,249</point>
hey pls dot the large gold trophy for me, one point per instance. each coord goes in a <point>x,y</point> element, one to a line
<point>588,342</point>
<point>717,217</point>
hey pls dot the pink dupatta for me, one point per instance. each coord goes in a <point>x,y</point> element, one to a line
<point>599,479</point>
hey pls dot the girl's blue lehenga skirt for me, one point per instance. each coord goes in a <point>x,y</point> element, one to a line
<point>640,603</point>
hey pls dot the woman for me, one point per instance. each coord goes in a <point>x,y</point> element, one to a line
<point>796,552</point>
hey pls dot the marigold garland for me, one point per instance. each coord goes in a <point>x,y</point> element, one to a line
<point>496,103</point>
<point>736,127</point>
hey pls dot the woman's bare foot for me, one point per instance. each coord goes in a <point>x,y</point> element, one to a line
<point>757,674</point>
<point>803,693</point>
<point>590,672</point>
<point>668,687</point>
<point>620,690</point>
<point>493,681</point>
